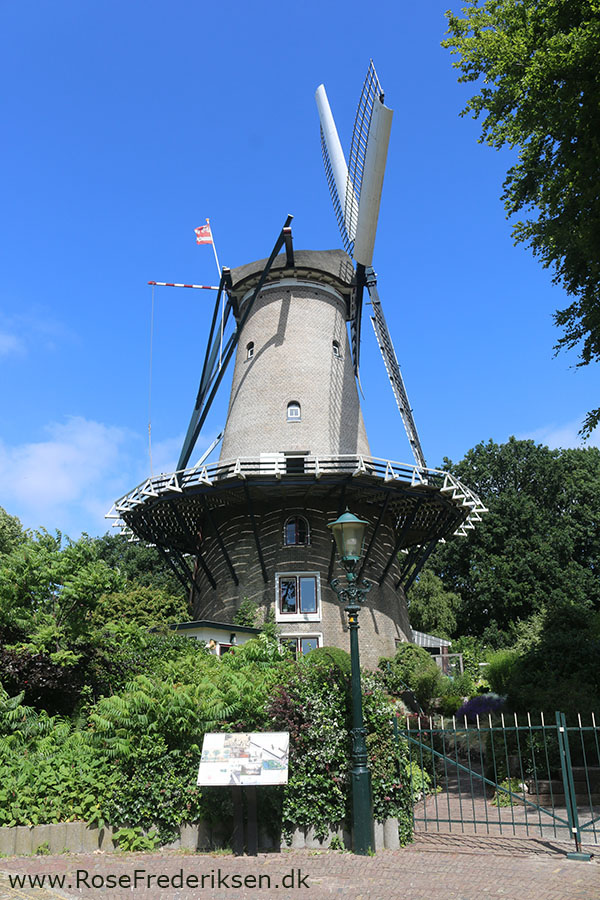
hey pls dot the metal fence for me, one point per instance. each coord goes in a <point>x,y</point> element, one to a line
<point>505,776</point>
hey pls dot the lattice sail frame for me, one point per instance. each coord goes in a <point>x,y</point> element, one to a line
<point>358,147</point>
<point>347,213</point>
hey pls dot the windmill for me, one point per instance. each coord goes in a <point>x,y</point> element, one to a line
<point>294,450</point>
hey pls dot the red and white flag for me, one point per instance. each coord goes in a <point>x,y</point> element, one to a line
<point>203,234</point>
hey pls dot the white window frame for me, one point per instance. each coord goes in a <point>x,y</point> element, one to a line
<point>250,350</point>
<point>298,637</point>
<point>297,616</point>
<point>294,406</point>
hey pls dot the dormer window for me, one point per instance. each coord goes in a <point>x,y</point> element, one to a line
<point>293,411</point>
<point>336,349</point>
<point>250,350</point>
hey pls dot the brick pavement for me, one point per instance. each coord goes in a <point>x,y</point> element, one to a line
<point>443,867</point>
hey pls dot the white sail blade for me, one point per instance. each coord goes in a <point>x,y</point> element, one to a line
<point>372,182</point>
<point>337,161</point>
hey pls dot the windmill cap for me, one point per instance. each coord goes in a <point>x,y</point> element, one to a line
<point>332,267</point>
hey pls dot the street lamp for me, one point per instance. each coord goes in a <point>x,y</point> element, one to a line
<point>349,533</point>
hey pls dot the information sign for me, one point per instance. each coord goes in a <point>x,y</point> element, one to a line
<point>245,758</point>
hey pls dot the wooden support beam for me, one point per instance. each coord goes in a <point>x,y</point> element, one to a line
<point>256,535</point>
<point>220,541</point>
<point>374,536</point>
<point>193,542</point>
<point>400,537</point>
<point>341,506</point>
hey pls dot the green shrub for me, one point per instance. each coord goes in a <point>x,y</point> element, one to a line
<point>413,667</point>
<point>327,657</point>
<point>246,613</point>
<point>500,670</point>
<point>450,703</point>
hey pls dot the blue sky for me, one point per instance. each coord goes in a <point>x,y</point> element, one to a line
<point>127,124</point>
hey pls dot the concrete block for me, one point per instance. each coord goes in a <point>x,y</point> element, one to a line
<point>391,838</point>
<point>298,839</point>
<point>265,840</point>
<point>203,839</point>
<point>218,835</point>
<point>105,841</point>
<point>347,838</point>
<point>57,837</point>
<point>89,839</point>
<point>7,840</point>
<point>312,842</point>
<point>23,840</point>
<point>172,845</point>
<point>40,834</point>
<point>188,837</point>
<point>75,841</point>
<point>378,834</point>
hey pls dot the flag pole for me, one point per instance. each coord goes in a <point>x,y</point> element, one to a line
<point>214,248</point>
<point>222,296</point>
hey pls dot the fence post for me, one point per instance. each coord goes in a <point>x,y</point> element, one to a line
<point>569,787</point>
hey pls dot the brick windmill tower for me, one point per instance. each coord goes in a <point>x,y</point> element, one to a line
<point>295,451</point>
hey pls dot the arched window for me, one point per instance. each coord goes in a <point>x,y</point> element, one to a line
<point>336,348</point>
<point>250,350</point>
<point>296,532</point>
<point>293,411</point>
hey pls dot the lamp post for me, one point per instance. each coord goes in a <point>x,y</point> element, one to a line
<point>349,534</point>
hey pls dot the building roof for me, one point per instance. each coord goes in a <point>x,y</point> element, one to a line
<point>429,640</point>
<point>213,626</point>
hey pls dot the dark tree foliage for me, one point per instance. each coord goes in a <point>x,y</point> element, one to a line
<point>46,684</point>
<point>537,66</point>
<point>560,669</point>
<point>138,563</point>
<point>431,607</point>
<point>537,547</point>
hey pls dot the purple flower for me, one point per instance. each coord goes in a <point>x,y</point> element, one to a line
<point>481,705</point>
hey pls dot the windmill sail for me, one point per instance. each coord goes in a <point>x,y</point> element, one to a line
<point>366,163</point>
<point>336,171</point>
<point>356,194</point>
<point>372,182</point>
<point>393,369</point>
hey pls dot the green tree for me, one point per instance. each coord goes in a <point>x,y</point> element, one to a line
<point>49,588</point>
<point>138,564</point>
<point>559,669</point>
<point>539,92</point>
<point>431,607</point>
<point>140,605</point>
<point>11,532</point>
<point>537,547</point>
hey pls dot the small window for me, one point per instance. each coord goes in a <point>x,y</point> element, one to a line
<point>250,350</point>
<point>295,532</point>
<point>297,594</point>
<point>293,411</point>
<point>336,349</point>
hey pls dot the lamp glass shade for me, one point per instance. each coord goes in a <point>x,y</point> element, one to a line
<point>349,533</point>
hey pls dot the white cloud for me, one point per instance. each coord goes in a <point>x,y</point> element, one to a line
<point>562,435</point>
<point>70,480</point>
<point>66,481</point>
<point>10,343</point>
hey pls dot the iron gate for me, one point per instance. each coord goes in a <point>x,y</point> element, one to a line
<point>506,777</point>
